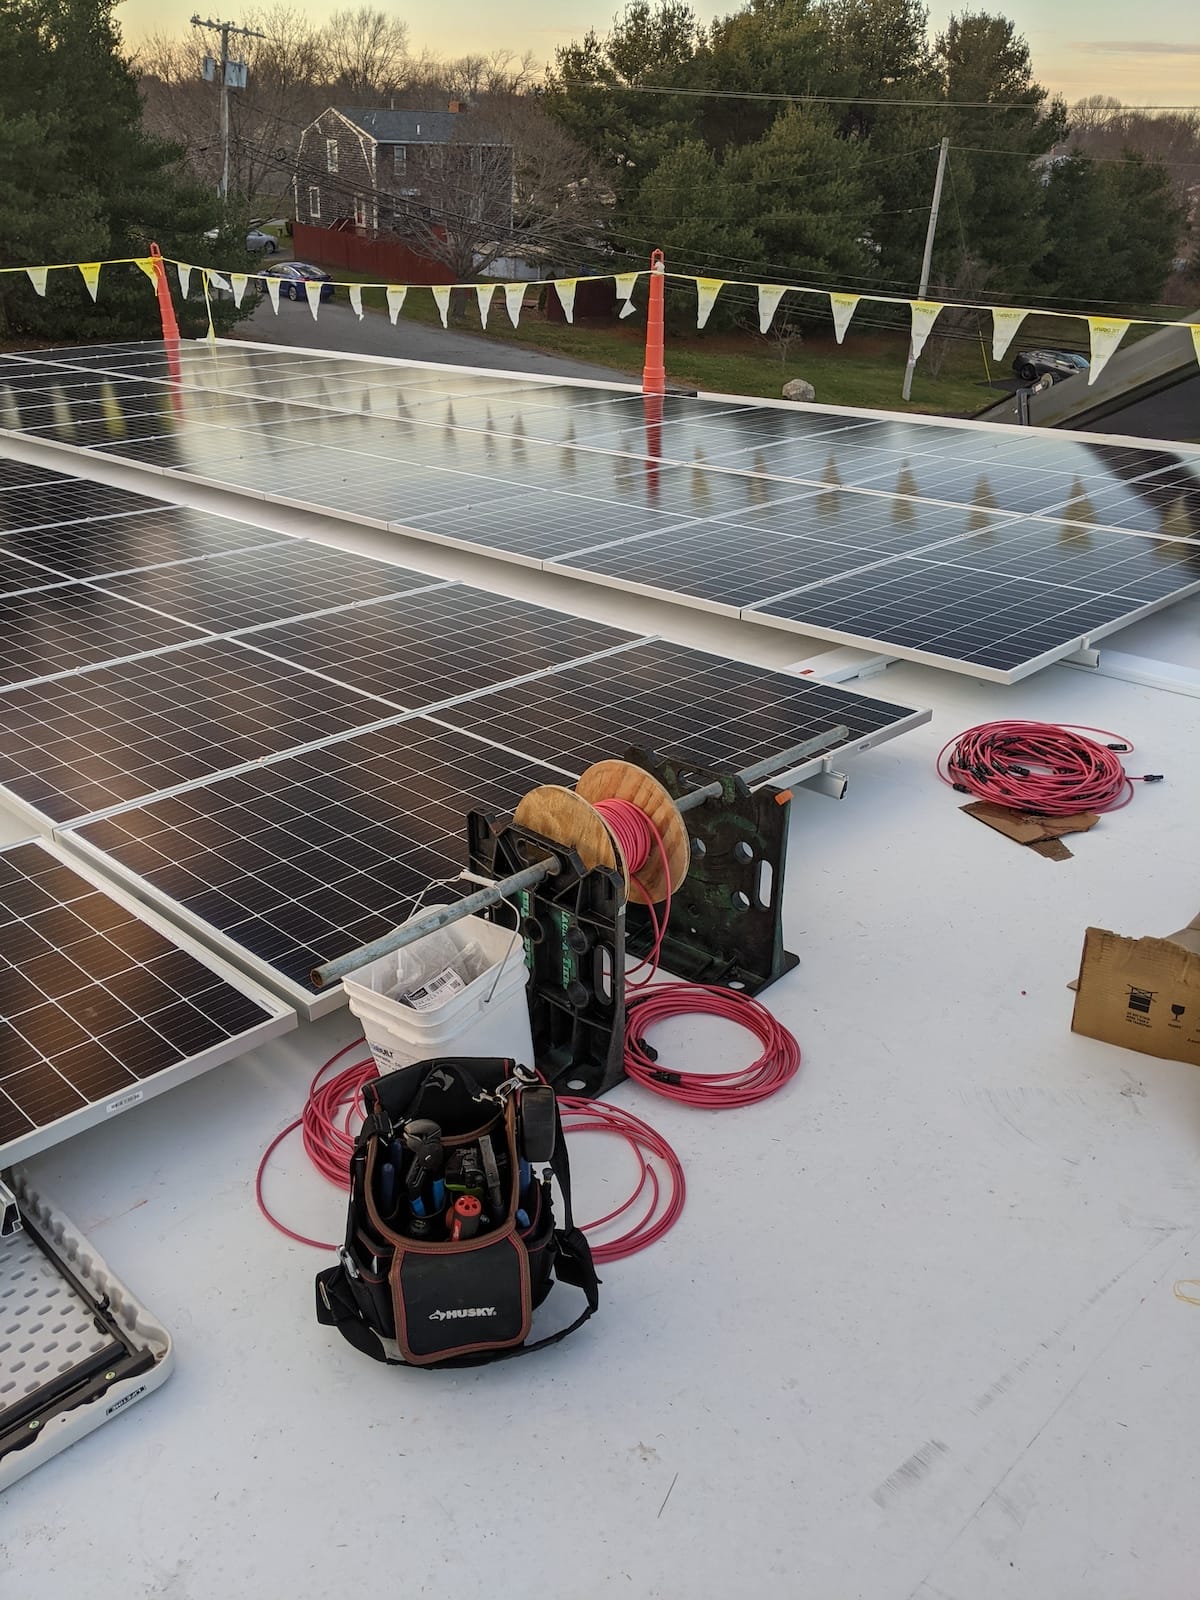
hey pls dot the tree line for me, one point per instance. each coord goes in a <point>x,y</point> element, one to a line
<point>798,138</point>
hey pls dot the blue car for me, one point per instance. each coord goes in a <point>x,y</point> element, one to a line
<point>293,275</point>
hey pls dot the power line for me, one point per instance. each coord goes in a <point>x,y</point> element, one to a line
<point>1120,161</point>
<point>826,99</point>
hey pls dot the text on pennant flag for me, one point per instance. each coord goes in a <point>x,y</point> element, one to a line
<point>924,315</point>
<point>395,301</point>
<point>273,293</point>
<point>238,282</point>
<point>185,277</point>
<point>564,288</point>
<point>843,307</point>
<point>707,290</point>
<point>37,277</point>
<point>514,299</point>
<point>89,271</point>
<point>441,299</point>
<point>1106,334</point>
<point>147,265</point>
<point>1005,322</point>
<point>312,291</point>
<point>769,296</point>
<point>484,293</point>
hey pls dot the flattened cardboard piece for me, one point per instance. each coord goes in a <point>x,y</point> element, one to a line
<point>1042,834</point>
<point>1142,994</point>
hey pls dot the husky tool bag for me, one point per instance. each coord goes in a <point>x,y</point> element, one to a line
<point>451,1241</point>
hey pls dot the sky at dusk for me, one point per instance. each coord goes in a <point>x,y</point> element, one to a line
<point>1142,54</point>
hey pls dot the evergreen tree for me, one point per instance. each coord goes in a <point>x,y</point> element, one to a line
<point>81,180</point>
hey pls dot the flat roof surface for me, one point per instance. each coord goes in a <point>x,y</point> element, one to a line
<point>916,1336</point>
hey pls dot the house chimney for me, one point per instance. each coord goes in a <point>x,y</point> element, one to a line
<point>455,105</point>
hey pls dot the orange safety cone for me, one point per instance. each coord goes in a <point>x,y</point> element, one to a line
<point>170,327</point>
<point>654,373</point>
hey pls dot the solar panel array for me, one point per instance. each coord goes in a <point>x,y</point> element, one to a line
<point>284,754</point>
<point>859,529</point>
<point>99,1007</point>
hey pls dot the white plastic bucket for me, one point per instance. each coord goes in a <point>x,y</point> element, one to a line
<point>489,1017</point>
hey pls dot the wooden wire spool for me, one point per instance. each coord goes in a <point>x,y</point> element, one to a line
<point>568,816</point>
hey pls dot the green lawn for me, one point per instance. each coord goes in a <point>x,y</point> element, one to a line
<point>867,370</point>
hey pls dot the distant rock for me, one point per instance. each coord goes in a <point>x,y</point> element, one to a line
<point>799,389</point>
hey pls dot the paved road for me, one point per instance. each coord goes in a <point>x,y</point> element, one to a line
<point>339,329</point>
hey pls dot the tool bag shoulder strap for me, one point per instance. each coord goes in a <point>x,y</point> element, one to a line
<point>443,1302</point>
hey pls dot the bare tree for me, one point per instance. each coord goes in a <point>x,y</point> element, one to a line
<point>513,183</point>
<point>365,53</point>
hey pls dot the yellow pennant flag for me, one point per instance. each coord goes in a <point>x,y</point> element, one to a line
<point>1196,338</point>
<point>707,290</point>
<point>1106,333</point>
<point>395,299</point>
<point>312,291</point>
<point>626,282</point>
<point>441,299</point>
<point>185,277</point>
<point>147,266</point>
<point>514,299</point>
<point>843,307</point>
<point>356,304</point>
<point>238,282</point>
<point>216,280</point>
<point>564,288</point>
<point>273,293</point>
<point>769,296</point>
<point>484,293</point>
<point>1005,322</point>
<point>90,273</point>
<point>924,315</point>
<point>37,277</point>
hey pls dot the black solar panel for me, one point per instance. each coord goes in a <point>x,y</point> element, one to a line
<point>686,497</point>
<point>95,739</point>
<point>96,1004</point>
<point>67,500</point>
<point>120,544</point>
<point>244,590</point>
<point>20,475</point>
<point>422,649</point>
<point>676,701</point>
<point>60,630</point>
<point>17,576</point>
<point>304,858</point>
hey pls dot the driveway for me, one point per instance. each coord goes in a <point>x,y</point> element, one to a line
<point>339,329</point>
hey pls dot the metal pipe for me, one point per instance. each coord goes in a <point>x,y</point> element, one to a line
<point>409,932</point>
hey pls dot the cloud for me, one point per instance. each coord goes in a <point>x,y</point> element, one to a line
<point>1137,47</point>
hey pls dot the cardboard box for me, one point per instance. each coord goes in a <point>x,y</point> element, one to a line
<point>1143,994</point>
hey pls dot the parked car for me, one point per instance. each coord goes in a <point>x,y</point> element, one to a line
<point>256,240</point>
<point>1030,365</point>
<point>293,275</point>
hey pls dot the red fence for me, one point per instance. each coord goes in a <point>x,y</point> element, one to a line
<point>386,260</point>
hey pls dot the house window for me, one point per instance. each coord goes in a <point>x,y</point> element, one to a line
<point>360,212</point>
<point>331,154</point>
<point>314,204</point>
<point>400,160</point>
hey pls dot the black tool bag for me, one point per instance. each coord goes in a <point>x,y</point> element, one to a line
<point>410,1288</point>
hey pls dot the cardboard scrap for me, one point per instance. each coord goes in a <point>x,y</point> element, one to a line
<point>1041,834</point>
<point>1143,994</point>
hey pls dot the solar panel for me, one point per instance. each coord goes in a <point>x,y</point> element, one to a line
<point>20,475</point>
<point>1001,603</point>
<point>100,1007</point>
<point>303,858</point>
<point>246,589</point>
<point>124,543</point>
<point>53,631</point>
<point>422,650</point>
<point>18,576</point>
<point>678,702</point>
<point>686,498</point>
<point>42,505</point>
<point>100,738</point>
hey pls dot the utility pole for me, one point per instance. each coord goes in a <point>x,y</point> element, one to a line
<point>927,261</point>
<point>233,76</point>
